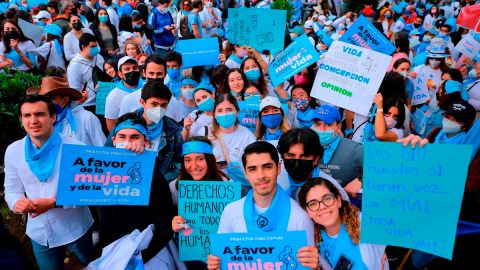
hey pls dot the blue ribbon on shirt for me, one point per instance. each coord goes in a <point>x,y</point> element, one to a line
<point>275,218</point>
<point>272,136</point>
<point>42,161</point>
<point>305,118</point>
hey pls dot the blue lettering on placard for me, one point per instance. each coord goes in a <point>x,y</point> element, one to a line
<point>352,51</point>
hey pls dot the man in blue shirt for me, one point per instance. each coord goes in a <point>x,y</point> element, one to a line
<point>161,22</point>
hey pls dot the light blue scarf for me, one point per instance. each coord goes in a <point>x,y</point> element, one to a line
<point>294,186</point>
<point>66,112</point>
<point>275,218</point>
<point>272,136</point>
<point>42,161</point>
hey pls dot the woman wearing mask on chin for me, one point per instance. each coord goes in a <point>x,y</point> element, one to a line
<point>235,83</point>
<point>195,123</point>
<point>237,55</point>
<point>389,119</point>
<point>271,121</point>
<point>303,107</point>
<point>229,139</point>
<point>337,227</point>
<point>16,50</point>
<point>106,33</point>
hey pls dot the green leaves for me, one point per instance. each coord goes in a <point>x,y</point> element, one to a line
<point>285,5</point>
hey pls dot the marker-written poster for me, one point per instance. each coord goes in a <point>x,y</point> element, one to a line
<point>91,175</point>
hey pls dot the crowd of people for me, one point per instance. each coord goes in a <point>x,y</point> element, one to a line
<point>301,168</point>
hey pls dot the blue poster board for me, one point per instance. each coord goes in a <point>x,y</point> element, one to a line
<point>92,175</point>
<point>201,203</point>
<point>262,29</point>
<point>412,197</point>
<point>296,57</point>
<point>104,88</point>
<point>362,33</point>
<point>259,251</point>
<point>249,110</point>
<point>198,51</point>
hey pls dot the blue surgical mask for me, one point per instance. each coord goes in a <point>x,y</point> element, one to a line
<point>173,73</point>
<point>251,95</point>
<point>226,120</point>
<point>441,35</point>
<point>206,105</point>
<point>427,38</point>
<point>41,24</point>
<point>103,19</point>
<point>272,120</point>
<point>94,51</point>
<point>187,93</point>
<point>253,74</point>
<point>326,29</point>
<point>387,16</point>
<point>326,137</point>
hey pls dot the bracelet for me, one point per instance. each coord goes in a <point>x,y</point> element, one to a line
<point>380,110</point>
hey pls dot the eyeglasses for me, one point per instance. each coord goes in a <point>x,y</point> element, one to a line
<point>328,200</point>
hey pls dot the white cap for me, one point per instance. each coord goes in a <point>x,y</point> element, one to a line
<point>270,101</point>
<point>308,24</point>
<point>315,16</point>
<point>126,59</point>
<point>328,23</point>
<point>322,18</point>
<point>42,15</point>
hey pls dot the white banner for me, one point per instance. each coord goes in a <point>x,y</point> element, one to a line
<point>468,46</point>
<point>349,76</point>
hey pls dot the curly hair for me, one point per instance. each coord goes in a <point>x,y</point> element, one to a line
<point>349,213</point>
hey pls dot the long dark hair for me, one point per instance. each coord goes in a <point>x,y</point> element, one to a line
<point>226,88</point>
<point>96,29</point>
<point>262,83</point>
<point>213,173</point>
<point>6,41</point>
<point>221,98</point>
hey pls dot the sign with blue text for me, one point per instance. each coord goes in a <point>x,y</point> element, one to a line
<point>412,197</point>
<point>362,33</point>
<point>201,204</point>
<point>104,88</point>
<point>92,175</point>
<point>348,76</point>
<point>198,51</point>
<point>273,251</point>
<point>296,57</point>
<point>262,29</point>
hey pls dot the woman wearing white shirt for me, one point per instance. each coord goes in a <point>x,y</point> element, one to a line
<point>195,123</point>
<point>71,39</point>
<point>211,18</point>
<point>16,50</point>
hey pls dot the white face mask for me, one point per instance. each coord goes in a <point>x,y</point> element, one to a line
<point>209,5</point>
<point>450,127</point>
<point>121,145</point>
<point>434,63</point>
<point>427,38</point>
<point>390,122</point>
<point>403,73</point>
<point>155,114</point>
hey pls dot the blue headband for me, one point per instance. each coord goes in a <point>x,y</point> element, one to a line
<point>196,147</point>
<point>189,81</point>
<point>204,86</point>
<point>130,124</point>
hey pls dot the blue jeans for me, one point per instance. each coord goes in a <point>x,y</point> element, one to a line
<point>52,258</point>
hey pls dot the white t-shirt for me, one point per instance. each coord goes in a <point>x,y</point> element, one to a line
<point>198,126</point>
<point>235,143</point>
<point>113,101</point>
<point>25,47</point>
<point>233,220</point>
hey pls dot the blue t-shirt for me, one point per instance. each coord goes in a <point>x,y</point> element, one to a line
<point>194,18</point>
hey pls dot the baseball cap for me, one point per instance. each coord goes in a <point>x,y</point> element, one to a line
<point>327,114</point>
<point>297,30</point>
<point>452,86</point>
<point>308,24</point>
<point>270,101</point>
<point>43,14</point>
<point>462,112</point>
<point>125,59</point>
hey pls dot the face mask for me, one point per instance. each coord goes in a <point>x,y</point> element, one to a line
<point>121,145</point>
<point>132,77</point>
<point>427,38</point>
<point>206,105</point>
<point>417,25</point>
<point>450,127</point>
<point>226,120</point>
<point>156,79</point>
<point>300,79</point>
<point>272,120</point>
<point>173,73</point>
<point>387,16</point>
<point>434,11</point>
<point>326,29</point>
<point>242,53</point>
<point>472,74</point>
<point>298,169</point>
<point>103,19</point>
<point>139,28</point>
<point>12,34</point>
<point>441,35</point>
<point>300,104</point>
<point>251,95</point>
<point>326,137</point>
<point>187,93</point>
<point>390,122</point>
<point>94,51</point>
<point>434,63</point>
<point>293,36</point>
<point>209,5</point>
<point>155,114</point>
<point>253,74</point>
<point>77,26</point>
<point>41,24</point>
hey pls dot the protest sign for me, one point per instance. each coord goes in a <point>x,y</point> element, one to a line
<point>362,33</point>
<point>201,203</point>
<point>32,31</point>
<point>249,110</point>
<point>198,51</point>
<point>349,76</point>
<point>259,251</point>
<point>104,88</point>
<point>36,3</point>
<point>425,80</point>
<point>324,37</point>
<point>468,46</point>
<point>419,121</point>
<point>412,197</point>
<point>296,57</point>
<point>262,29</point>
<point>94,175</point>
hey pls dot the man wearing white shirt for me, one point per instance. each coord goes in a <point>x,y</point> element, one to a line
<point>211,18</point>
<point>266,208</point>
<point>31,179</point>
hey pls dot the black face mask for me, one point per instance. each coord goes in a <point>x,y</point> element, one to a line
<point>417,25</point>
<point>299,169</point>
<point>77,25</point>
<point>12,34</point>
<point>139,28</point>
<point>156,80</point>
<point>132,78</point>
